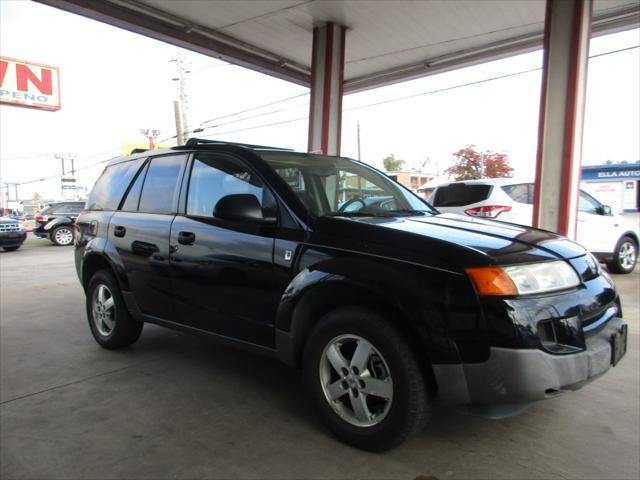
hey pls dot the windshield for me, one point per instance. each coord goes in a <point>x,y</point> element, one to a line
<point>332,186</point>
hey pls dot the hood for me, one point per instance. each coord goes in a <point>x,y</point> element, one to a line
<point>8,220</point>
<point>448,241</point>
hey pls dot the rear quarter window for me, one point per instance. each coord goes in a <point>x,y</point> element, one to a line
<point>460,194</point>
<point>521,192</point>
<point>112,185</point>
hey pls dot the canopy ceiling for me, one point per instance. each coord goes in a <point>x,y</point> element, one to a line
<point>387,41</point>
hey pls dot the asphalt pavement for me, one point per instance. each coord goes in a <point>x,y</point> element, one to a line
<point>181,407</point>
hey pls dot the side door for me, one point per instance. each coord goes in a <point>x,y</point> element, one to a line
<point>140,231</point>
<point>596,232</point>
<point>222,270</point>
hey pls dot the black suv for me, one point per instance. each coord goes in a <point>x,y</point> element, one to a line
<point>56,222</point>
<point>12,234</point>
<point>387,306</point>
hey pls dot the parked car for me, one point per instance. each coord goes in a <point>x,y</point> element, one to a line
<point>385,310</point>
<point>56,222</point>
<point>12,234</point>
<point>610,237</point>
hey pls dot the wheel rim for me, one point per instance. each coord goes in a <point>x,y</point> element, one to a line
<point>63,236</point>
<point>627,255</point>
<point>356,380</point>
<point>103,309</point>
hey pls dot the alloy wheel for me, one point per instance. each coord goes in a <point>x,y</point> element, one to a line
<point>627,255</point>
<point>63,236</point>
<point>356,380</point>
<point>103,308</point>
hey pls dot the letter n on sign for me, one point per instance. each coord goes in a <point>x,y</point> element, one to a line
<point>29,84</point>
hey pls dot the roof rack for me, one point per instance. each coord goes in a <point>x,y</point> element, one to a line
<point>194,142</point>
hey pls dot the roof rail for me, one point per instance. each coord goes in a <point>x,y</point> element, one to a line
<point>194,142</point>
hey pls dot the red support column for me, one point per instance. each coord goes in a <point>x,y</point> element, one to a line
<point>564,81</point>
<point>327,81</point>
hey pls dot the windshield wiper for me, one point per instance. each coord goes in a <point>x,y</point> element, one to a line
<point>358,214</point>
<point>409,211</point>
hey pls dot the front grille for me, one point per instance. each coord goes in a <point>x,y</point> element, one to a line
<point>9,227</point>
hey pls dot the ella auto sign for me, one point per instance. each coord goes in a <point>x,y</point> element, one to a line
<point>28,84</point>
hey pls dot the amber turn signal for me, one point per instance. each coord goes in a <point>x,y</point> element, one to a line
<point>492,281</point>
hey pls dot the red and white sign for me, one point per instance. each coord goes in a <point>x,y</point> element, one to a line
<point>28,84</point>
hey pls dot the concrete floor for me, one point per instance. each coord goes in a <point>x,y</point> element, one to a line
<point>175,406</point>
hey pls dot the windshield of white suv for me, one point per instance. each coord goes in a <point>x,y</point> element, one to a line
<point>333,186</point>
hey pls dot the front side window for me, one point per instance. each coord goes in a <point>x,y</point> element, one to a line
<point>214,177</point>
<point>330,186</point>
<point>588,204</point>
<point>161,184</point>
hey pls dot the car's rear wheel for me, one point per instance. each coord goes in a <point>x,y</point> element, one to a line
<point>111,324</point>
<point>11,249</point>
<point>625,256</point>
<point>62,236</point>
<point>364,379</point>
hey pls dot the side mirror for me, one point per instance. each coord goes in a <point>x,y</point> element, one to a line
<point>604,210</point>
<point>241,207</point>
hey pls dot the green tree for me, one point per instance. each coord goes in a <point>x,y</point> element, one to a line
<point>469,164</point>
<point>393,164</point>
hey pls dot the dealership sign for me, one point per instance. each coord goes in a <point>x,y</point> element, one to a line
<point>28,84</point>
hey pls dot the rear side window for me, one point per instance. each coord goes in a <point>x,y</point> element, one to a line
<point>521,192</point>
<point>72,207</point>
<point>460,194</point>
<point>133,197</point>
<point>112,185</point>
<point>161,184</point>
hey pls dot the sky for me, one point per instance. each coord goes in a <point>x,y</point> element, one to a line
<point>115,83</point>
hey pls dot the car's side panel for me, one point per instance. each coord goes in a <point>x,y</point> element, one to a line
<point>434,308</point>
<point>223,281</point>
<point>143,252</point>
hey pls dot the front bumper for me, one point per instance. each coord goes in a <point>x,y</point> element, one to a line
<point>512,376</point>
<point>12,239</point>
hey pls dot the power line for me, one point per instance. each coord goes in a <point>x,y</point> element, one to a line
<point>258,107</point>
<point>430,92</point>
<point>358,107</point>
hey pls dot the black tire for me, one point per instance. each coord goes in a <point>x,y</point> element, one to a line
<point>409,408</point>
<point>124,330</point>
<point>11,249</point>
<point>618,264</point>
<point>59,235</point>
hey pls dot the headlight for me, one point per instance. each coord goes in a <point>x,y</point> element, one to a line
<point>542,277</point>
<point>524,279</point>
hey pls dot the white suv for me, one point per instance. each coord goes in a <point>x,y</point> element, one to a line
<point>610,237</point>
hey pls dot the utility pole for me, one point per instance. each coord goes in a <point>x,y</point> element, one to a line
<point>181,78</point>
<point>67,182</point>
<point>178,116</point>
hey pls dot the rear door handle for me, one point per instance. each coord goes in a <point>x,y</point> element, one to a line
<point>186,238</point>
<point>119,231</point>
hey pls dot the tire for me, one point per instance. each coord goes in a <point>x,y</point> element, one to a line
<point>11,249</point>
<point>111,324</point>
<point>391,369</point>
<point>625,256</point>
<point>62,236</point>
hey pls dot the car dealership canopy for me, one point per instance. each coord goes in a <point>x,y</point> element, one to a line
<point>336,47</point>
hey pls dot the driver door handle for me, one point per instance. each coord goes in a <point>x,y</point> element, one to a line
<point>186,238</point>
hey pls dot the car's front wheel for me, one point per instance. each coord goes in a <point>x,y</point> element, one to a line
<point>111,324</point>
<point>364,379</point>
<point>62,236</point>
<point>625,256</point>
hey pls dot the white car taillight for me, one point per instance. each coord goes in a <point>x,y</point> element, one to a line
<point>487,211</point>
